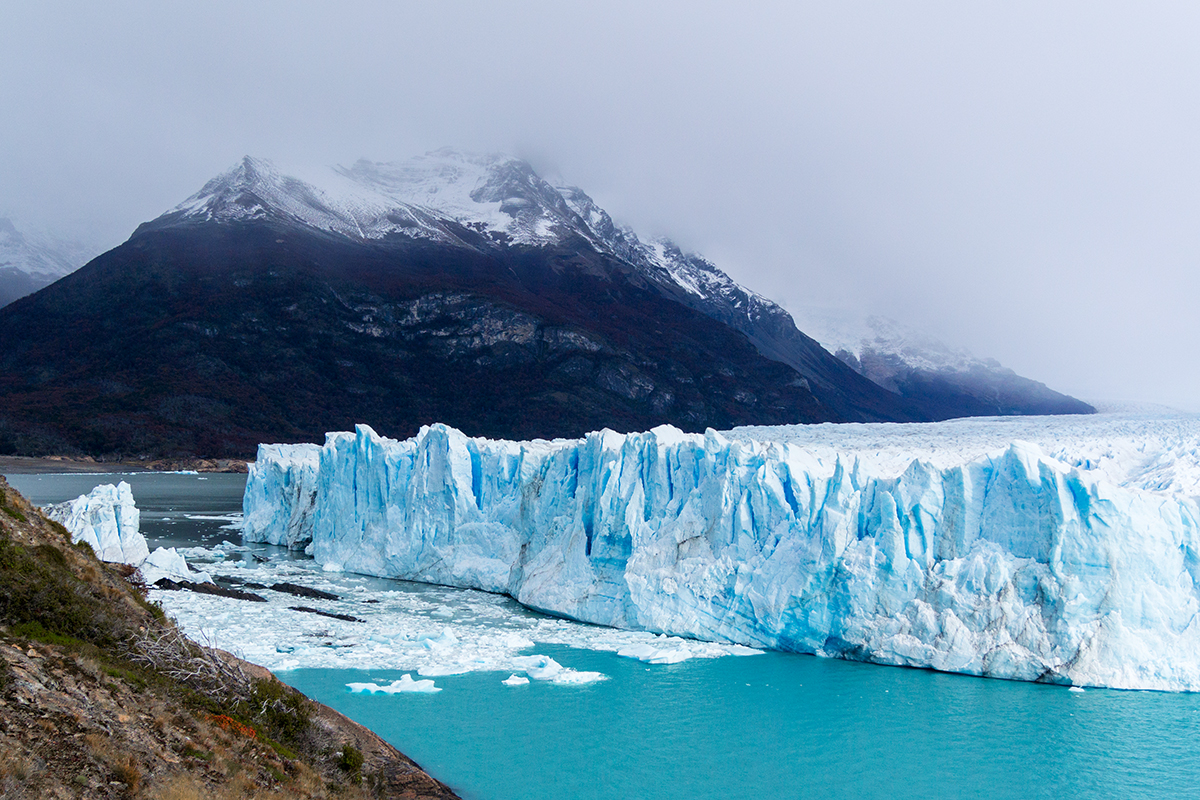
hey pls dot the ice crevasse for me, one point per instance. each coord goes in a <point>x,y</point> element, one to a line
<point>1011,564</point>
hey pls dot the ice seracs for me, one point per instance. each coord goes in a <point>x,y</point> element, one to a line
<point>996,555</point>
<point>107,520</point>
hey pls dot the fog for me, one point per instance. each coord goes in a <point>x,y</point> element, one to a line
<point>1018,178</point>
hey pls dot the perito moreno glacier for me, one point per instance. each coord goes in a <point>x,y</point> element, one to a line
<point>1064,550</point>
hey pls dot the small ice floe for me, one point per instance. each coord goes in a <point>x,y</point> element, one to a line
<point>405,684</point>
<point>742,650</point>
<point>445,639</point>
<point>654,655</point>
<point>166,562</point>
<point>1076,689</point>
<point>438,670</point>
<point>544,668</point>
<point>515,680</point>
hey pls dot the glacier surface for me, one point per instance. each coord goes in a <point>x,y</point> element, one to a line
<point>1056,549</point>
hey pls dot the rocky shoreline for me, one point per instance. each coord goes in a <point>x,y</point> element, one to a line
<point>26,465</point>
<point>101,696</point>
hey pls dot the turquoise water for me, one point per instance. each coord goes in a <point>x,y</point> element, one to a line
<point>778,726</point>
<point>767,726</point>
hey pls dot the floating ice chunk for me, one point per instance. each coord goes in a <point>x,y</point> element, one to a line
<point>166,562</point>
<point>445,639</point>
<point>742,650</point>
<point>544,668</point>
<point>540,668</point>
<point>106,519</point>
<point>1076,689</point>
<point>437,670</point>
<point>571,677</point>
<point>655,655</point>
<point>404,685</point>
<point>515,680</point>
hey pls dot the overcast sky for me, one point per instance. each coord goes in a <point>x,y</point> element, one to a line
<point>1020,178</point>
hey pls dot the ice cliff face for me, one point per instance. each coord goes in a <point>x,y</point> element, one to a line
<point>1010,564</point>
<point>108,520</point>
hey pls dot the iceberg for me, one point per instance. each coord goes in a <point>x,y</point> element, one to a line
<point>167,562</point>
<point>107,520</point>
<point>985,555</point>
<point>405,685</point>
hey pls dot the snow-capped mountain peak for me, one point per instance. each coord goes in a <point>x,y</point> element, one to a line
<point>426,197</point>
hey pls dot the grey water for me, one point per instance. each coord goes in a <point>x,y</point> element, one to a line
<point>768,726</point>
<point>167,501</point>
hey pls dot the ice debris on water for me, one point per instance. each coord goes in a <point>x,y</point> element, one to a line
<point>515,680</point>
<point>544,668</point>
<point>1049,549</point>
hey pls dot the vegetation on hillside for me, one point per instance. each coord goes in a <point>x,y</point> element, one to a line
<point>102,696</point>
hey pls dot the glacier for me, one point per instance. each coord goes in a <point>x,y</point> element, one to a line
<point>108,520</point>
<point>1062,550</point>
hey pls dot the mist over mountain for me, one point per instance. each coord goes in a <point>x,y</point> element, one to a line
<point>30,260</point>
<point>947,381</point>
<point>278,304</point>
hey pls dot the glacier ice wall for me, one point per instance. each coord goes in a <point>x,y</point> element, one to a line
<point>108,520</point>
<point>1011,564</point>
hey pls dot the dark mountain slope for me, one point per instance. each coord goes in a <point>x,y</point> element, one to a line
<point>209,338</point>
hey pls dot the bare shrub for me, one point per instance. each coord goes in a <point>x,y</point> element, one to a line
<point>167,651</point>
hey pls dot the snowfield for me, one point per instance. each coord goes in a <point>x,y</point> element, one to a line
<point>1058,549</point>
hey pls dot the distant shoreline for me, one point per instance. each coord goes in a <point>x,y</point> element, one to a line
<point>25,465</point>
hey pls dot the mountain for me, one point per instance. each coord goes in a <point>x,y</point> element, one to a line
<point>945,382</point>
<point>29,260</point>
<point>276,305</point>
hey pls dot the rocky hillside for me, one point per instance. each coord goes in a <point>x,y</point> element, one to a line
<point>101,697</point>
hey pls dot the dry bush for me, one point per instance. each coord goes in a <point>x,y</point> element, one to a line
<point>167,651</point>
<point>124,766</point>
<point>181,786</point>
<point>17,766</point>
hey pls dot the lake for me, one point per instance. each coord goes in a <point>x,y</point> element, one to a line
<point>768,725</point>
